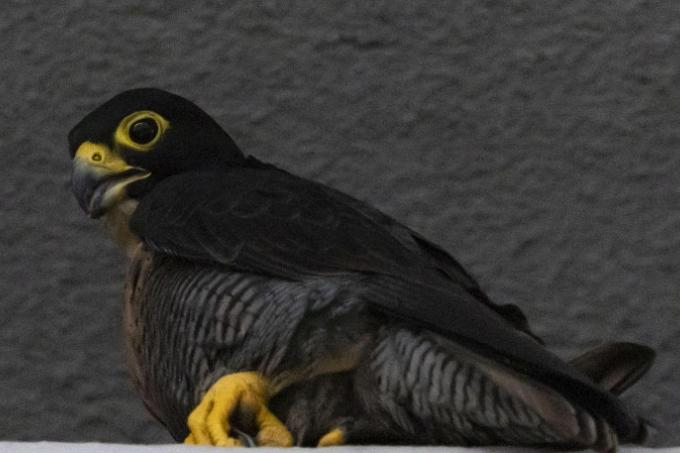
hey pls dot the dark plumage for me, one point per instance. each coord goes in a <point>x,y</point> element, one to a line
<point>351,320</point>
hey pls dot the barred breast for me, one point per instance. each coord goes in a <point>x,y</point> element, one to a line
<point>188,324</point>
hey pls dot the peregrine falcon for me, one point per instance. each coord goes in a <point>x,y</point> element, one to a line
<point>262,305</point>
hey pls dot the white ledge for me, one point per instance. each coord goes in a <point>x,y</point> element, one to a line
<point>59,447</point>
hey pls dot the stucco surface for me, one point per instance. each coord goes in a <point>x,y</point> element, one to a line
<point>536,141</point>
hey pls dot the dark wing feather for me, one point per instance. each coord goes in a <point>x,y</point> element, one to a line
<point>452,268</point>
<point>240,217</point>
<point>430,253</point>
<point>267,221</point>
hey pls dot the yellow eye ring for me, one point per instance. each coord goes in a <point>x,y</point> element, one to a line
<point>141,130</point>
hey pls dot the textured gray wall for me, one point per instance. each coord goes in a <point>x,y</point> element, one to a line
<point>537,141</point>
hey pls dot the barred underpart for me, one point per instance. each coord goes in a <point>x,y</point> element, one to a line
<point>189,324</point>
<point>444,393</point>
<point>332,362</point>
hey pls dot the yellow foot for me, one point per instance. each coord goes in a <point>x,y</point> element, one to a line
<point>209,421</point>
<point>332,438</point>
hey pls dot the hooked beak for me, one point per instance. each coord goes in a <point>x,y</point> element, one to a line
<point>100,177</point>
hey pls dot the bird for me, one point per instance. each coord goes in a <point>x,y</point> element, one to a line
<point>263,308</point>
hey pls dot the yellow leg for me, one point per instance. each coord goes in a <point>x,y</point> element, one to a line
<point>209,421</point>
<point>332,438</point>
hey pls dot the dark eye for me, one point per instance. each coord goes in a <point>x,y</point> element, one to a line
<point>143,131</point>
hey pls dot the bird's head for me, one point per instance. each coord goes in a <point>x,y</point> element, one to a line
<point>126,146</point>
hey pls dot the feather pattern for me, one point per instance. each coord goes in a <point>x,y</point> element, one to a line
<point>268,222</point>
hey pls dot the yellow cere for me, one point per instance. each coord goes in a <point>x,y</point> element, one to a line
<point>100,161</point>
<point>122,134</point>
<point>100,158</point>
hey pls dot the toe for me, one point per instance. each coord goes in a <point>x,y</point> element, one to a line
<point>197,425</point>
<point>331,438</point>
<point>274,436</point>
<point>271,431</point>
<point>190,440</point>
<point>217,420</point>
<point>209,421</point>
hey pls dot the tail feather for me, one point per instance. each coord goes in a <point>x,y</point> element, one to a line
<point>615,366</point>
